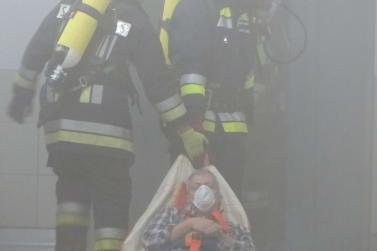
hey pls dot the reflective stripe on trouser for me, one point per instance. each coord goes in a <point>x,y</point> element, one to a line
<point>233,122</point>
<point>109,239</point>
<point>72,214</point>
<point>88,133</point>
<point>192,84</point>
<point>171,108</point>
<point>72,221</point>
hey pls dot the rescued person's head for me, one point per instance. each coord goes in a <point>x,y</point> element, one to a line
<point>203,191</point>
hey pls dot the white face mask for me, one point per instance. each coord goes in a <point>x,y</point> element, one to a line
<point>204,198</point>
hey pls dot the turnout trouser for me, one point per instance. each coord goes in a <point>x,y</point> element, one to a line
<point>97,182</point>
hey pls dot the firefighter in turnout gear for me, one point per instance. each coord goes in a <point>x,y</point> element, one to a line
<point>84,49</point>
<point>211,46</point>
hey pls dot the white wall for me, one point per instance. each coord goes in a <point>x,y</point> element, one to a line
<point>374,186</point>
<point>27,190</point>
<point>18,21</point>
<point>26,185</point>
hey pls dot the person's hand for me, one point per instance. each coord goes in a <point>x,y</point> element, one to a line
<point>194,142</point>
<point>206,227</point>
<point>21,104</point>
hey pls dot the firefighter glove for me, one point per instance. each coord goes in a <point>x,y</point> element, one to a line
<point>194,142</point>
<point>21,103</point>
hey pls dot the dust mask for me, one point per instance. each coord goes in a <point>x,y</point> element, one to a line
<point>204,199</point>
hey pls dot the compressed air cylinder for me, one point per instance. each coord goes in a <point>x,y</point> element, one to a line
<point>78,33</point>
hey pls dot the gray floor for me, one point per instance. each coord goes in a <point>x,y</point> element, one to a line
<point>26,239</point>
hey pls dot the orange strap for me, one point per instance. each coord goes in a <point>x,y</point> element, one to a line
<point>219,218</point>
<point>192,243</point>
<point>181,197</point>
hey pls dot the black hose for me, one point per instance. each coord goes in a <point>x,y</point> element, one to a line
<point>300,52</point>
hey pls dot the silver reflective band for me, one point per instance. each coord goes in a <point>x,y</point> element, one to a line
<point>97,94</point>
<point>106,48</point>
<point>87,127</point>
<point>72,207</point>
<point>210,115</point>
<point>231,117</point>
<point>193,78</point>
<point>169,103</point>
<point>225,23</point>
<point>110,233</point>
<point>25,83</point>
<point>28,74</point>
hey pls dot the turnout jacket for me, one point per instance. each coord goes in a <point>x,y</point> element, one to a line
<point>212,49</point>
<point>95,119</point>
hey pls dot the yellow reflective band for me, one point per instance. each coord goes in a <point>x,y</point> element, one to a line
<point>90,139</point>
<point>168,10</point>
<point>244,18</point>
<point>108,245</point>
<point>191,89</point>
<point>169,103</point>
<point>85,95</point>
<point>164,38</point>
<point>235,127</point>
<point>226,12</point>
<point>72,220</point>
<point>173,114</point>
<point>24,83</point>
<point>250,83</point>
<point>27,73</point>
<point>87,127</point>
<point>209,126</point>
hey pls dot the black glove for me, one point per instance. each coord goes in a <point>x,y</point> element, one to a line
<point>20,105</point>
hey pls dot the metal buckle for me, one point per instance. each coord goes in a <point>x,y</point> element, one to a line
<point>83,82</point>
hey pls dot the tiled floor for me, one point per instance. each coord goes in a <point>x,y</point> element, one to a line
<point>26,239</point>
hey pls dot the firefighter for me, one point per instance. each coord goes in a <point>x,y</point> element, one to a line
<point>84,49</point>
<point>211,45</point>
